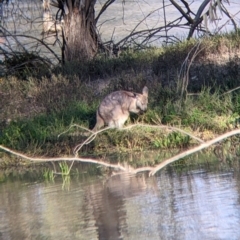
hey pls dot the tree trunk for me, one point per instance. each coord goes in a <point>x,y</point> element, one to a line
<point>80,37</point>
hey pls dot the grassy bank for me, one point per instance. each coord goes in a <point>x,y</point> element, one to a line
<point>35,110</point>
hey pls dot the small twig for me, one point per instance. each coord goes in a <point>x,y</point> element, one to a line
<point>232,90</point>
<point>88,140</point>
<point>103,9</point>
<point>75,125</point>
<point>15,37</point>
<point>69,170</point>
<point>164,126</point>
<point>185,73</point>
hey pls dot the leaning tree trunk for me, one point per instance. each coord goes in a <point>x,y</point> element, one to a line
<point>79,31</point>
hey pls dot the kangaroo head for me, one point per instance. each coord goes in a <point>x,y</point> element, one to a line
<point>142,100</point>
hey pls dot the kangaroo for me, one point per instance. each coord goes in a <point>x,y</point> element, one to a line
<point>115,108</point>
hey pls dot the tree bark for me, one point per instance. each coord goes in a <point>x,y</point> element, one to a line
<point>79,31</point>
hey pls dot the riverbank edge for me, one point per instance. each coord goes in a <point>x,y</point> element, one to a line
<point>36,110</point>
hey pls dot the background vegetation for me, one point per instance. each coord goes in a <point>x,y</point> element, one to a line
<point>36,109</point>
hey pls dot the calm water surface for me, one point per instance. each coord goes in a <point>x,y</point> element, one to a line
<point>24,17</point>
<point>201,203</point>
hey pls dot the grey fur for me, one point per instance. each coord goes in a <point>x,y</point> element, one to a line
<point>115,108</point>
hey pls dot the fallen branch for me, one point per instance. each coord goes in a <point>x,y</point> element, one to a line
<point>94,134</point>
<point>152,170</point>
<point>85,160</point>
<point>88,140</point>
<point>193,150</point>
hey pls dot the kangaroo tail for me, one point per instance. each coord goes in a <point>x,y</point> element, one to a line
<point>99,122</point>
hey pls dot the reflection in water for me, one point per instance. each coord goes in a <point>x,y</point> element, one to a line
<point>197,204</point>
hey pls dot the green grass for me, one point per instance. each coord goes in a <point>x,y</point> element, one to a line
<point>35,111</point>
<point>101,66</point>
<point>206,111</point>
<point>206,62</point>
<point>42,131</point>
<point>48,175</point>
<point>65,169</point>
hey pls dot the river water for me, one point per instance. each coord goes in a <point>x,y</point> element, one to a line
<point>23,19</point>
<point>201,202</point>
<point>198,203</point>
<point>121,18</point>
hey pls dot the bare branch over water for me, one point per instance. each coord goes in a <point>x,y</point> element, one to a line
<point>124,168</point>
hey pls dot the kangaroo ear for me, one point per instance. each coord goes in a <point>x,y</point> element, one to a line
<point>145,91</point>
